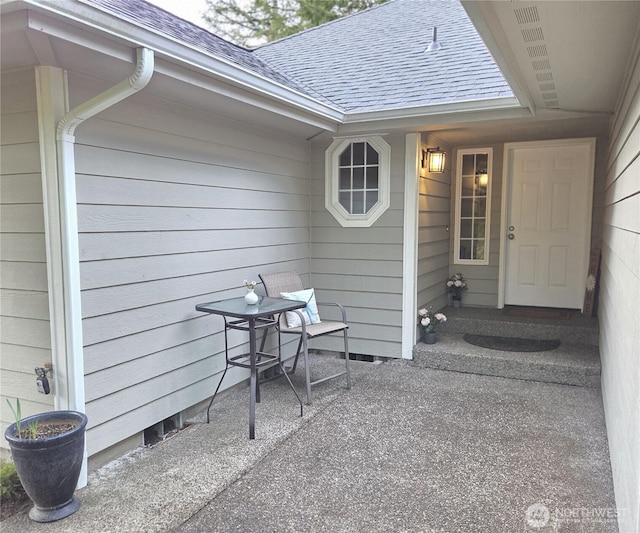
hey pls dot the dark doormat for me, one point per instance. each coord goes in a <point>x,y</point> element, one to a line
<point>511,344</point>
<point>536,312</point>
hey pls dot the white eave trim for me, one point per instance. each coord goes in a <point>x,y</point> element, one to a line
<point>489,104</point>
<point>109,34</point>
<point>169,49</point>
<point>484,19</point>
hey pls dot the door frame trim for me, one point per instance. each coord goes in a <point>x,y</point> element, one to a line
<point>509,148</point>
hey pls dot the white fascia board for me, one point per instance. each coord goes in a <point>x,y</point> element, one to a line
<point>467,106</point>
<point>170,49</point>
<point>420,122</point>
<point>221,87</point>
<point>486,22</point>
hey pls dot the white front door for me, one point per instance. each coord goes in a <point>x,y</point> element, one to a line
<point>548,222</point>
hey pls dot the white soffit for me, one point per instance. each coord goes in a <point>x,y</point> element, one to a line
<point>566,55</point>
<point>114,38</point>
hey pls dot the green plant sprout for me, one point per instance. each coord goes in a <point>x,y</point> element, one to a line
<point>32,429</point>
<point>17,413</point>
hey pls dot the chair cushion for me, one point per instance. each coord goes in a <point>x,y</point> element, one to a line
<point>324,327</point>
<point>310,312</point>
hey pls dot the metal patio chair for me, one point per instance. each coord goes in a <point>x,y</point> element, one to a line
<point>286,282</point>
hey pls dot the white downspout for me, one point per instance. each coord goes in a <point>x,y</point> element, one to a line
<point>69,223</point>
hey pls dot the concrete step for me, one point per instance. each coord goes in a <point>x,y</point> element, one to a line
<point>575,329</point>
<point>569,364</point>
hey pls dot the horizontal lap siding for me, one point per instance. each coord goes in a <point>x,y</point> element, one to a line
<point>25,338</point>
<point>174,209</point>
<point>361,267</point>
<point>434,219</point>
<point>619,307</point>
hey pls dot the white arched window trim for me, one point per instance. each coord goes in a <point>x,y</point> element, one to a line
<point>332,202</point>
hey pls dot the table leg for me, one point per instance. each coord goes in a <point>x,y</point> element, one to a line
<point>254,379</point>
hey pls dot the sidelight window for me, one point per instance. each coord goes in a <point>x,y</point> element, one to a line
<point>473,206</point>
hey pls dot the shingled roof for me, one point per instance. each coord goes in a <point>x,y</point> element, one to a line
<point>376,60</point>
<point>157,19</point>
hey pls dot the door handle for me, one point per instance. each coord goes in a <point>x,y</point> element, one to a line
<point>511,236</point>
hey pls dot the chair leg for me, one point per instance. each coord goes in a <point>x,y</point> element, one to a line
<point>346,358</point>
<point>307,367</point>
<point>295,361</point>
<point>291,385</point>
<point>217,389</point>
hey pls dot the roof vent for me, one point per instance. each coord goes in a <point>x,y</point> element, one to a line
<point>527,15</point>
<point>538,50</point>
<point>532,34</point>
<point>434,45</point>
<point>541,65</point>
<point>544,76</point>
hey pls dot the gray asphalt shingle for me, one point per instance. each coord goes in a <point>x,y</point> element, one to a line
<point>374,60</point>
<point>154,18</point>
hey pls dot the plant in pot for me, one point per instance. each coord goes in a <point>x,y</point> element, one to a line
<point>428,321</point>
<point>48,450</point>
<point>456,284</point>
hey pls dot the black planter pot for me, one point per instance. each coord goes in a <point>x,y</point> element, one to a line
<point>429,337</point>
<point>49,467</point>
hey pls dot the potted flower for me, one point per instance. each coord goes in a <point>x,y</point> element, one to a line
<point>428,321</point>
<point>251,297</point>
<point>456,284</point>
<point>47,450</point>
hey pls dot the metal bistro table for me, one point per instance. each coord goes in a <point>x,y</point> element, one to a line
<point>237,314</point>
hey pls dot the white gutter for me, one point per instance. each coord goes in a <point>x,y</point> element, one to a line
<point>69,224</point>
<point>172,49</point>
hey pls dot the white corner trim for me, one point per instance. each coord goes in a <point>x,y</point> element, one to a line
<point>502,261</point>
<point>410,243</point>
<point>51,96</point>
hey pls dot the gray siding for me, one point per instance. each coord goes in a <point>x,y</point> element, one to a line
<point>24,311</point>
<point>361,267</point>
<point>619,304</point>
<point>175,208</point>
<point>434,229</point>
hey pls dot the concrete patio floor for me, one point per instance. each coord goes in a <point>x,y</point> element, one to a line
<point>406,449</point>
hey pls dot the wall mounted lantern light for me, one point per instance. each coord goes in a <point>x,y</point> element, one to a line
<point>434,159</point>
